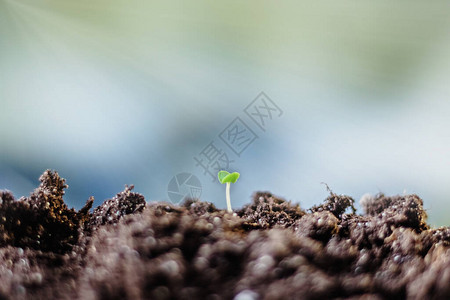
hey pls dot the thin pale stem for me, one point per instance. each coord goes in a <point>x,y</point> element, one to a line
<point>228,198</point>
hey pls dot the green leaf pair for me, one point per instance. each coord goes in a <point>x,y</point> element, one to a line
<point>225,177</point>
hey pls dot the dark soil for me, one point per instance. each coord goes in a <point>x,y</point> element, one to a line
<point>270,249</point>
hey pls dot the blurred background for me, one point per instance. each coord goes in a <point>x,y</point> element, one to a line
<point>121,92</point>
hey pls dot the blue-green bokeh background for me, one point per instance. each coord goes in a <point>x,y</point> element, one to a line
<point>124,91</point>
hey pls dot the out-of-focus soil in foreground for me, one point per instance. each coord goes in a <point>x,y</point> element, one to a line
<point>270,249</point>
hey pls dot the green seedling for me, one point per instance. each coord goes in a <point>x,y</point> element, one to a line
<point>226,177</point>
